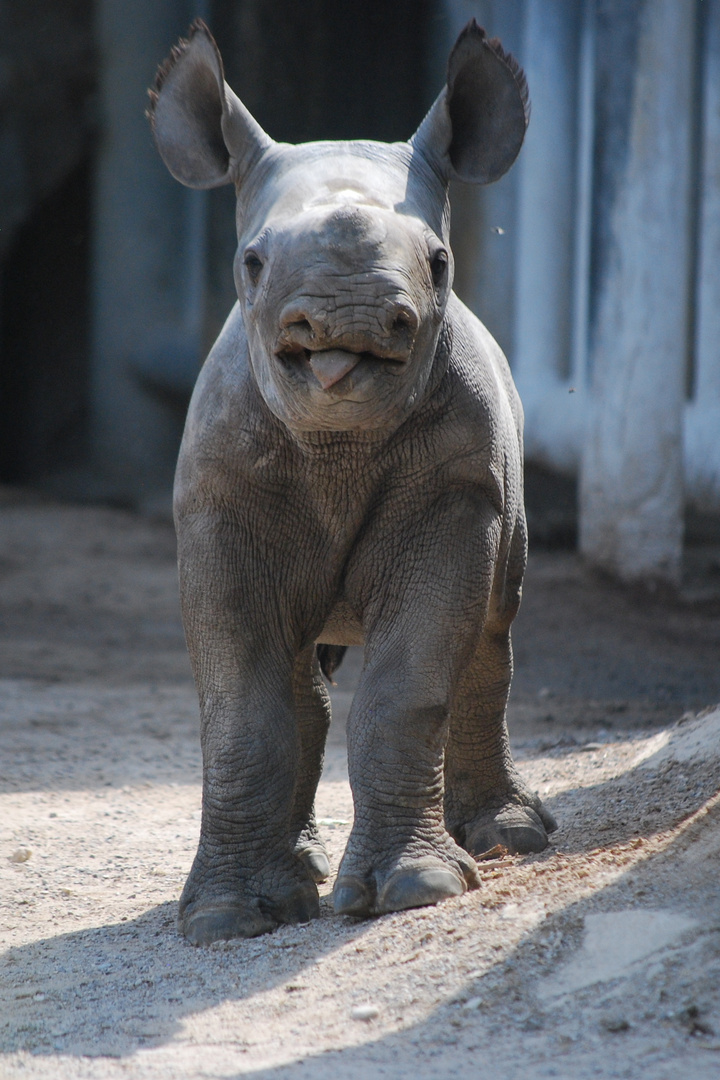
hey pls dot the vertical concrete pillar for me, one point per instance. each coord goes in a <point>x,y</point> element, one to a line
<point>707,351</point>
<point>702,421</point>
<point>148,247</point>
<point>578,372</point>
<point>543,328</point>
<point>631,492</point>
<point>552,213</point>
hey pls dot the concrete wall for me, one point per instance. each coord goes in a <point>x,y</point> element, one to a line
<point>614,296</point>
<point>148,264</point>
<point>631,492</point>
<point>595,261</point>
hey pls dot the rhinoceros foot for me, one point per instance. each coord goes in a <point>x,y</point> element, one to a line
<point>206,916</point>
<point>224,919</point>
<point>406,883</point>
<point>311,852</point>
<point>521,829</point>
<point>314,859</point>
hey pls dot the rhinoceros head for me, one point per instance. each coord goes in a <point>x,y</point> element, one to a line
<point>343,268</point>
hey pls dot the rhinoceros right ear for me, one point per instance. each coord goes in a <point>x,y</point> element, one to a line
<point>204,133</point>
<point>476,127</point>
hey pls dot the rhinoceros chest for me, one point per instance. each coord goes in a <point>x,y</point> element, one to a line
<point>339,523</point>
<point>350,522</point>
<point>375,547</point>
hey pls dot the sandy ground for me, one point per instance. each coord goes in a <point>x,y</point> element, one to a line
<point>599,957</point>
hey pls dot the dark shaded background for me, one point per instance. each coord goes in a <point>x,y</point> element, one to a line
<point>314,70</point>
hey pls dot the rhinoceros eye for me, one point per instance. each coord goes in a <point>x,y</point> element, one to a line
<point>438,266</point>
<point>253,264</point>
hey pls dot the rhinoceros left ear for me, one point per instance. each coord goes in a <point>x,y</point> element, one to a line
<point>475,129</point>
<point>204,133</point>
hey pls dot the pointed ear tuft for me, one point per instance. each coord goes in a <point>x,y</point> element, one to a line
<point>476,127</point>
<point>204,134</point>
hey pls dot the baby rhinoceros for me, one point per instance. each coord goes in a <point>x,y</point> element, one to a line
<point>350,473</point>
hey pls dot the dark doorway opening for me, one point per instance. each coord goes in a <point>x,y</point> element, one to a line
<point>44,336</point>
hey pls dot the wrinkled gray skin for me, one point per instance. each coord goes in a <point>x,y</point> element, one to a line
<point>351,472</point>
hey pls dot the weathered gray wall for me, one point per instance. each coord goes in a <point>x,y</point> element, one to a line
<point>47,121</point>
<point>595,261</point>
<point>631,494</point>
<point>610,309</point>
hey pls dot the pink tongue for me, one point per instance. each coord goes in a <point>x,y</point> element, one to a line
<point>330,366</point>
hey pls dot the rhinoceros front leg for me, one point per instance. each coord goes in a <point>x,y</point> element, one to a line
<point>245,879</point>
<point>399,854</point>
<point>425,597</point>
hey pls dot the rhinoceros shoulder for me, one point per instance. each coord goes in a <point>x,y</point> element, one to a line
<point>227,425</point>
<point>479,374</point>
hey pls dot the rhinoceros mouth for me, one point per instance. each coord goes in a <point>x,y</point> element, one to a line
<point>328,367</point>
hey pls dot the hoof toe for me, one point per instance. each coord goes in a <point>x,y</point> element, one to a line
<point>221,922</point>
<point>547,819</point>
<point>316,863</point>
<point>518,828</point>
<point>524,839</point>
<point>351,897</point>
<point>229,918</point>
<point>419,888</point>
<point>301,905</point>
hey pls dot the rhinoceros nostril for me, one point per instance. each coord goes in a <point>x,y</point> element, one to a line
<point>302,324</point>
<point>295,319</point>
<point>405,321</point>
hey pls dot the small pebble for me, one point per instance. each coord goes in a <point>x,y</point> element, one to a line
<point>21,855</point>
<point>364,1012</point>
<point>472,1004</point>
<point>615,1023</point>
